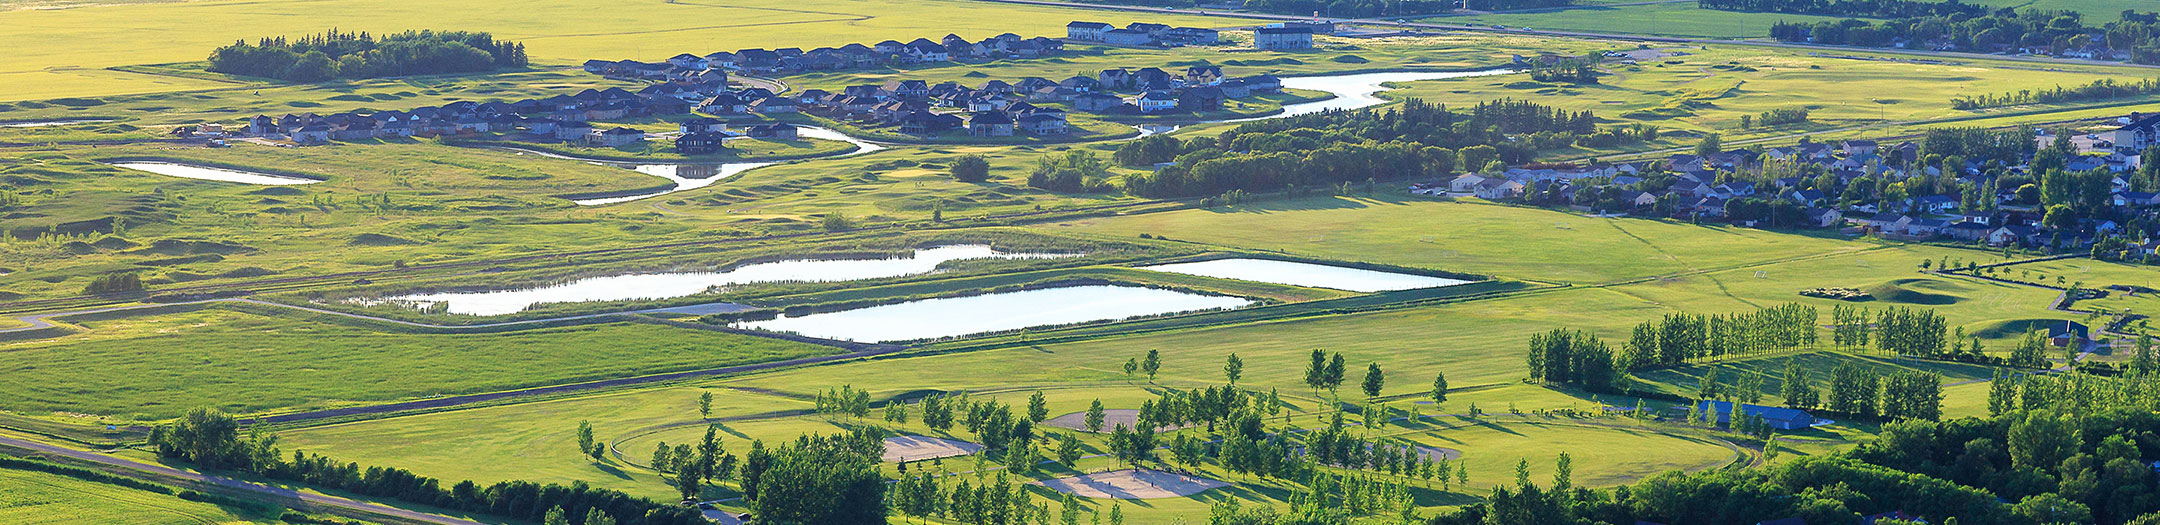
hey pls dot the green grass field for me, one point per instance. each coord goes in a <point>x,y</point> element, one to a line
<point>1523,243</point>
<point>38,498</point>
<point>1674,19</point>
<point>158,367</point>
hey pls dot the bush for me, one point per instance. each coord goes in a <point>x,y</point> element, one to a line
<point>116,282</point>
<point>971,168</point>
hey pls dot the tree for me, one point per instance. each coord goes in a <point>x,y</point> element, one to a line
<point>1131,365</point>
<point>1439,389</point>
<point>1798,389</point>
<point>585,439</point>
<point>1233,368</point>
<point>1316,370</point>
<point>1151,364</point>
<point>1095,416</point>
<point>595,517</point>
<point>1068,451</point>
<point>555,516</point>
<point>1710,145</point>
<point>820,479</point>
<point>1374,381</point>
<point>971,168</point>
<point>2051,508</point>
<point>704,405</point>
<point>1038,407</point>
<point>2042,439</point>
<point>1334,375</point>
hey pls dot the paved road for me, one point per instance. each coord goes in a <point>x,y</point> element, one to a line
<point>267,490</point>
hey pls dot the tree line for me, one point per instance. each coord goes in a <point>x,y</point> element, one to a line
<point>2102,89</point>
<point>1414,139</point>
<point>1679,339</point>
<point>333,54</point>
<point>2054,32</point>
<point>1849,8</point>
<point>211,440</point>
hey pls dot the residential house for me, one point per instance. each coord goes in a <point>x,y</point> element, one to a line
<point>773,131</point>
<point>1127,37</point>
<point>689,61</point>
<point>1087,31</point>
<point>1155,101</point>
<point>1780,418</point>
<point>1202,98</point>
<point>569,131</point>
<point>1044,123</point>
<point>1096,102</point>
<point>1278,38</point>
<point>618,137</point>
<point>701,125</point>
<point>1824,217</point>
<point>1191,36</point>
<point>1497,189</point>
<point>700,143</point>
<point>990,124</point>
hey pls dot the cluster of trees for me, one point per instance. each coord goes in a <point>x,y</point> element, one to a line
<point>1414,139</point>
<point>114,282</point>
<point>970,168</point>
<point>1776,117</point>
<point>1850,8</point>
<point>211,440</point>
<point>315,58</point>
<point>817,479</point>
<point>1572,71</point>
<point>1683,338</point>
<point>2054,32</point>
<point>1335,446</point>
<point>689,469</point>
<point>1895,329</point>
<point>844,401</point>
<point>2102,89</point>
<point>1864,391</point>
<point>1568,356</point>
<point>988,501</point>
<point>1075,171</point>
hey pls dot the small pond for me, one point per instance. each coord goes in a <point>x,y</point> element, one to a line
<point>678,284</point>
<point>957,316</point>
<point>49,123</point>
<point>187,171</point>
<point>690,176</point>
<point>1305,274</point>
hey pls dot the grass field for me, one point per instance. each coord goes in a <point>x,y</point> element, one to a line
<point>1710,89</point>
<point>158,367</point>
<point>555,32</point>
<point>1673,19</point>
<point>1522,243</point>
<point>38,498</point>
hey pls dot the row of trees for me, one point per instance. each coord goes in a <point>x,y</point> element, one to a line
<point>1849,8</point>
<point>211,440</point>
<point>1682,338</point>
<point>1568,356</point>
<point>2102,89</point>
<point>315,58</point>
<point>2056,32</point>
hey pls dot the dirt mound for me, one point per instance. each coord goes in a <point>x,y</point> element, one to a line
<point>113,243</point>
<point>1916,291</point>
<point>278,190</point>
<point>196,247</point>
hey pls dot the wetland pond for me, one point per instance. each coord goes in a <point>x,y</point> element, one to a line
<point>663,285</point>
<point>1305,274</point>
<point>995,312</point>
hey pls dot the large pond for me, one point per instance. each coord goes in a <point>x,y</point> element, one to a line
<point>957,316</point>
<point>690,176</point>
<point>679,284</point>
<point>50,123</point>
<point>217,174</point>
<point>1305,274</point>
<point>1361,90</point>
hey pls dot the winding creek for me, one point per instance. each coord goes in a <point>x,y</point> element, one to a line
<point>665,285</point>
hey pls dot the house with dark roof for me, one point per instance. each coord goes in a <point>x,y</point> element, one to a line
<point>1127,37</point>
<point>990,124</point>
<point>700,143</point>
<point>773,131</point>
<point>1087,31</point>
<point>1277,37</point>
<point>617,137</point>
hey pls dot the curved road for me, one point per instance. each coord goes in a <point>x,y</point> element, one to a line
<point>266,490</point>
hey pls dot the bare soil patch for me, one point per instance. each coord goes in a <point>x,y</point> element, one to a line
<point>918,448</point>
<point>1133,484</point>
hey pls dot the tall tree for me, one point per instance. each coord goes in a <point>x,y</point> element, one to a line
<point>1151,364</point>
<point>1316,370</point>
<point>1439,389</point>
<point>704,404</point>
<point>1233,368</point>
<point>1374,381</point>
<point>1335,371</point>
<point>1095,416</point>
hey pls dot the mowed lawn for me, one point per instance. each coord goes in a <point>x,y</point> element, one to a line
<point>1673,19</point>
<point>160,366</point>
<point>70,48</point>
<point>38,498</point>
<point>1473,237</point>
